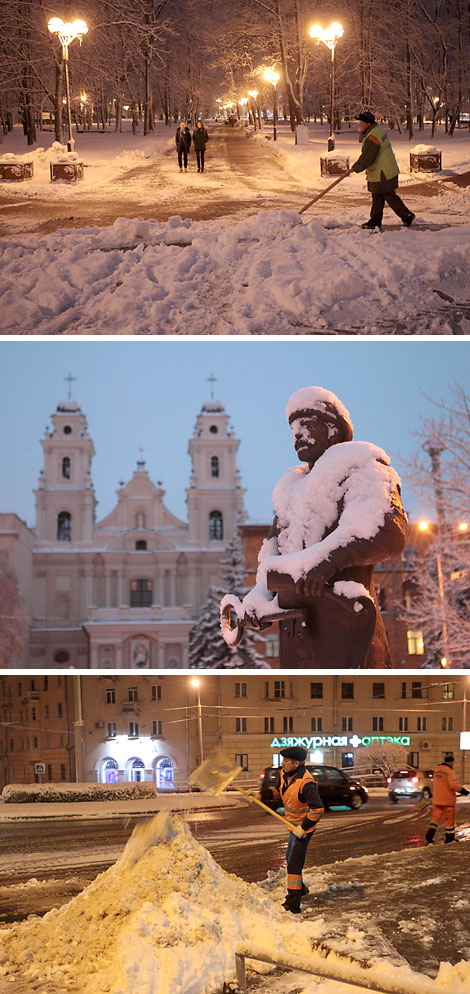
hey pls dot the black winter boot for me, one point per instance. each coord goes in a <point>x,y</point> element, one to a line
<point>450,837</point>
<point>430,836</point>
<point>371,225</point>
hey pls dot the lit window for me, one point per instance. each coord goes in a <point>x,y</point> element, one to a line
<point>415,643</point>
<point>272,645</point>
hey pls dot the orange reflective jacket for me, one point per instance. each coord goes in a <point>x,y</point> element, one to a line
<point>446,785</point>
<point>301,798</point>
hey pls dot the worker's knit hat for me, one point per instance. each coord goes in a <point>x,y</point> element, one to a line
<point>295,752</point>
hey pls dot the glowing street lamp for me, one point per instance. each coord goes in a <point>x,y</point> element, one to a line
<point>67,33</point>
<point>329,37</point>
<point>271,76</point>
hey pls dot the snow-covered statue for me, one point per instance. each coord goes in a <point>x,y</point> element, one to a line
<point>336,517</point>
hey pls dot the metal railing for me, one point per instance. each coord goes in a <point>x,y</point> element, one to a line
<point>344,973</point>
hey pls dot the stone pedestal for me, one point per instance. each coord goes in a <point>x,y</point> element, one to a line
<point>68,171</point>
<point>301,134</point>
<point>16,171</point>
<point>425,162</point>
<point>334,165</point>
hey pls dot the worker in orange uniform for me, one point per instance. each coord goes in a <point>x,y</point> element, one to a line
<point>303,807</point>
<point>445,790</point>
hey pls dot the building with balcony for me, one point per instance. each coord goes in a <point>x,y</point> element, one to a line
<point>146,726</point>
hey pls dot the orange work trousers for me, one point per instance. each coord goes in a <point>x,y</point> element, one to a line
<point>446,810</point>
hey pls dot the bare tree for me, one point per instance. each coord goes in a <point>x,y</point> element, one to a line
<point>13,617</point>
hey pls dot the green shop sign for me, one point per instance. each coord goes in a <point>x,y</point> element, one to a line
<point>319,741</point>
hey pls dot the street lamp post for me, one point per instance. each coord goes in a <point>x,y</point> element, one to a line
<point>67,33</point>
<point>78,732</point>
<point>195,683</point>
<point>329,37</point>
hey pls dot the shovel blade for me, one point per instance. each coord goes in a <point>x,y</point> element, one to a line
<point>215,773</point>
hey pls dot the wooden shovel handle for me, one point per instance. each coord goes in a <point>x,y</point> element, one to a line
<point>324,192</point>
<point>249,797</point>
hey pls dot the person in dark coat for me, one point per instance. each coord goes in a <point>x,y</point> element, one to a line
<point>381,167</point>
<point>183,144</point>
<point>200,139</point>
<point>336,517</point>
<point>303,807</point>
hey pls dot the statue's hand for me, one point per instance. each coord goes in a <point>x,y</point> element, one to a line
<point>313,584</point>
<point>251,620</point>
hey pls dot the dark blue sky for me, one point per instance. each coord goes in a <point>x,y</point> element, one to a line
<point>147,394</point>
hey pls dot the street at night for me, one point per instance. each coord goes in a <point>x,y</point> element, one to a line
<point>367,865</point>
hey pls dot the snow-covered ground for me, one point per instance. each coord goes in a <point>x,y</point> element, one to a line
<point>166,919</point>
<point>274,272</point>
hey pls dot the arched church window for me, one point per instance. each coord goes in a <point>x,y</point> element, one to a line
<point>64,527</point>
<point>216,526</point>
<point>66,468</point>
<point>215,466</point>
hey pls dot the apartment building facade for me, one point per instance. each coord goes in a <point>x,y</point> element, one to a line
<point>148,727</point>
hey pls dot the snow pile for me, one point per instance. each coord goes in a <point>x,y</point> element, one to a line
<point>165,918</point>
<point>10,158</point>
<point>424,150</point>
<point>270,274</point>
<point>50,792</point>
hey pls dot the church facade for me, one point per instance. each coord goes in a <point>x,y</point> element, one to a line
<point>124,591</point>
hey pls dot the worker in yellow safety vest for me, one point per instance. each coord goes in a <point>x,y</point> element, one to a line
<point>381,167</point>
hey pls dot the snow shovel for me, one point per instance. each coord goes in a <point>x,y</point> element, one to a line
<point>324,192</point>
<point>217,771</point>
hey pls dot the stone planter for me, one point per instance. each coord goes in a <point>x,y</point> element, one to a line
<point>68,171</point>
<point>425,162</point>
<point>16,171</point>
<point>334,165</point>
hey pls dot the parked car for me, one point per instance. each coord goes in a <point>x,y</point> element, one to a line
<point>410,783</point>
<point>334,785</point>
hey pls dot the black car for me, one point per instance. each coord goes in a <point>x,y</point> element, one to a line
<point>334,785</point>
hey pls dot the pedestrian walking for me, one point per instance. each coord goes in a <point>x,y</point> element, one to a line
<point>303,806</point>
<point>445,790</point>
<point>183,144</point>
<point>381,167</point>
<point>200,139</point>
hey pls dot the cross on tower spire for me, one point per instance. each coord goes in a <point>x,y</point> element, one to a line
<point>212,379</point>
<point>69,379</point>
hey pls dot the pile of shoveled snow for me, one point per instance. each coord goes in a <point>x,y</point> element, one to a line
<point>269,274</point>
<point>165,919</point>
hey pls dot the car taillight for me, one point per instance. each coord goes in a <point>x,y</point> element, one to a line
<point>389,779</point>
<point>414,779</point>
<point>262,775</point>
